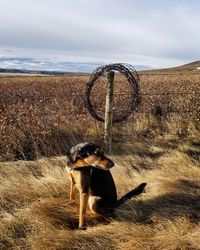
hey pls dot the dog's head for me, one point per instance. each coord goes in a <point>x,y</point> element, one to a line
<point>88,154</point>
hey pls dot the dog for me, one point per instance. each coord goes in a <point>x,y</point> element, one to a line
<point>88,169</point>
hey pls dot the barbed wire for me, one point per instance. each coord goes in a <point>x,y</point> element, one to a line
<point>133,79</point>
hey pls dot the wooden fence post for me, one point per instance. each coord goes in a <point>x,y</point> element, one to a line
<point>109,113</point>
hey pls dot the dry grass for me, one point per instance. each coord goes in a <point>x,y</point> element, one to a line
<point>40,118</point>
<point>37,214</point>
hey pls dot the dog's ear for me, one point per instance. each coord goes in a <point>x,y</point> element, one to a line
<point>82,150</point>
<point>74,152</point>
<point>73,155</point>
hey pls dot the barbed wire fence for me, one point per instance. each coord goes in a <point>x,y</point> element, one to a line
<point>41,116</point>
<point>132,80</point>
<point>183,103</point>
<point>167,104</point>
<point>110,72</point>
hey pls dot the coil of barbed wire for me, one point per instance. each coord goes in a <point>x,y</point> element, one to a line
<point>133,94</point>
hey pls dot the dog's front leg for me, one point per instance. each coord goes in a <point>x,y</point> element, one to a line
<point>84,186</point>
<point>72,187</point>
<point>83,206</point>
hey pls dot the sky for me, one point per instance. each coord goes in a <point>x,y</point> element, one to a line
<point>79,35</point>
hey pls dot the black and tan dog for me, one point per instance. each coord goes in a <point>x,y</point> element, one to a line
<point>88,168</point>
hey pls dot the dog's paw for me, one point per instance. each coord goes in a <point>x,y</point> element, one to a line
<point>82,228</point>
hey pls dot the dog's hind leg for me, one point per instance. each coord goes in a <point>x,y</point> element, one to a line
<point>99,206</point>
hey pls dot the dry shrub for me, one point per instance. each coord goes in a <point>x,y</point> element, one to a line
<point>45,116</point>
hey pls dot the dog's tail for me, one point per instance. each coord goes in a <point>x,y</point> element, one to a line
<point>136,191</point>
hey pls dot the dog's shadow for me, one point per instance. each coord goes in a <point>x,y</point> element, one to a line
<point>185,202</point>
<point>63,213</point>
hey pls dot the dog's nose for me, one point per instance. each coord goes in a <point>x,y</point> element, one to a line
<point>111,164</point>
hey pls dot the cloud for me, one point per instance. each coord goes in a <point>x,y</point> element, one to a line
<point>155,33</point>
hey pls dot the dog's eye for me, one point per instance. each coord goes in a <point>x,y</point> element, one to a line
<point>79,156</point>
<point>84,154</point>
<point>98,153</point>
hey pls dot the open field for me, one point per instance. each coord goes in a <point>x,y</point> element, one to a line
<point>42,115</point>
<point>160,144</point>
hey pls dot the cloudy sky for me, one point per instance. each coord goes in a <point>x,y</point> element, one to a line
<point>78,35</point>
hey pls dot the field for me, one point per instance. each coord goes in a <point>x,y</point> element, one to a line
<point>42,117</point>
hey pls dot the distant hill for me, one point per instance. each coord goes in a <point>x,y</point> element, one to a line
<point>192,67</point>
<point>36,72</point>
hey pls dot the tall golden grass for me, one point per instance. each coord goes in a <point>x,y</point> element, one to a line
<point>36,212</point>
